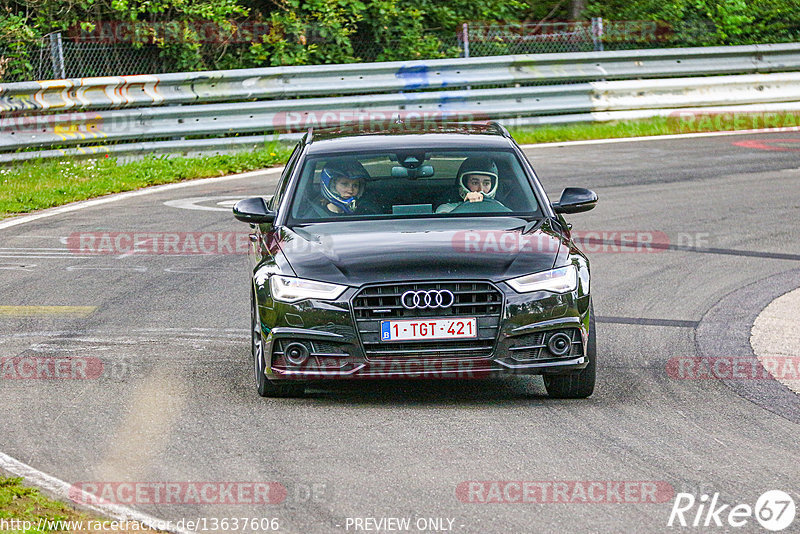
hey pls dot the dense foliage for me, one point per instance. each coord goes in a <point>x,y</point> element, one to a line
<point>708,22</point>
<point>296,32</point>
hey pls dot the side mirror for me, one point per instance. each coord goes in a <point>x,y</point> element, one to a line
<point>253,210</point>
<point>575,200</point>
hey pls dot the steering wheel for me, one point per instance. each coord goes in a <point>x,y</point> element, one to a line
<point>487,205</point>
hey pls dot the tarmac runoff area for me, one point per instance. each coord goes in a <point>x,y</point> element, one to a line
<point>776,336</point>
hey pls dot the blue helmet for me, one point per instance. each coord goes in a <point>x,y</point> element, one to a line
<point>337,170</point>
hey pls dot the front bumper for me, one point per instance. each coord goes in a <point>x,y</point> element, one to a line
<point>335,349</point>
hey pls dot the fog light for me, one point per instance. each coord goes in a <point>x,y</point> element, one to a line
<point>296,353</point>
<point>559,344</point>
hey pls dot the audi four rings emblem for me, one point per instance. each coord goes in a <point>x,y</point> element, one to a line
<point>435,298</point>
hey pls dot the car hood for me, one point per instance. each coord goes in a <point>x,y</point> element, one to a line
<point>361,252</point>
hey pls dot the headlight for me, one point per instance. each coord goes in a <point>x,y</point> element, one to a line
<point>289,289</point>
<point>561,280</point>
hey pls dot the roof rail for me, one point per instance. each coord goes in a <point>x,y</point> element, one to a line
<point>500,128</point>
<point>309,136</point>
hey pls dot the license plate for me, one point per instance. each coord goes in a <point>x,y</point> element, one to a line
<point>411,329</point>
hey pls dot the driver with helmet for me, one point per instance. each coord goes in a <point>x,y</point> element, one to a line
<point>342,184</point>
<point>477,179</point>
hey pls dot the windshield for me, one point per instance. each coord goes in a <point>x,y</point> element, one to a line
<point>412,184</point>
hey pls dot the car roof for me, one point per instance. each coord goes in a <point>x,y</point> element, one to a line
<point>403,136</point>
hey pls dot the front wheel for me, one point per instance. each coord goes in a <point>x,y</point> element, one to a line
<point>265,386</point>
<point>579,384</point>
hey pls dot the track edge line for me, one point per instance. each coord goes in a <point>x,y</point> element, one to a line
<point>62,490</point>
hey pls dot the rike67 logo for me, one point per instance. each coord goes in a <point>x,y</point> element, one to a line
<point>774,510</point>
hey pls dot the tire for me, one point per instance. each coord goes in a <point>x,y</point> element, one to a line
<point>578,384</point>
<point>265,386</point>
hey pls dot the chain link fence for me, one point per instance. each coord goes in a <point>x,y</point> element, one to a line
<point>497,40</point>
<point>53,57</point>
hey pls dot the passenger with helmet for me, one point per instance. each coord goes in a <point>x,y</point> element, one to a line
<point>476,179</point>
<point>342,184</point>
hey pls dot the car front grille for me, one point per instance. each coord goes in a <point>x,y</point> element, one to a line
<point>374,304</point>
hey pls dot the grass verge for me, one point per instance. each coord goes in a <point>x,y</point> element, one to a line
<point>24,510</point>
<point>593,130</point>
<point>36,185</point>
<point>695,122</point>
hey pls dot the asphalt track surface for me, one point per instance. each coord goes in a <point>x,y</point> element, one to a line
<point>176,401</point>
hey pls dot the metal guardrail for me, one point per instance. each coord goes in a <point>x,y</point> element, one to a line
<point>287,115</point>
<point>156,111</point>
<point>367,78</point>
<point>696,92</point>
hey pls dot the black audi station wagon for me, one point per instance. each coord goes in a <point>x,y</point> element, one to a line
<point>426,252</point>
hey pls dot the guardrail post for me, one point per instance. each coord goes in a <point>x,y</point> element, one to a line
<point>465,35</point>
<point>57,56</point>
<point>597,33</point>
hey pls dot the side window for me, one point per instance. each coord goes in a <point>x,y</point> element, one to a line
<point>284,180</point>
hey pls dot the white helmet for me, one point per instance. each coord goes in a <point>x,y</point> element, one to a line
<point>480,166</point>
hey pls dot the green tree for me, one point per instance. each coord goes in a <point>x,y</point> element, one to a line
<point>710,22</point>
